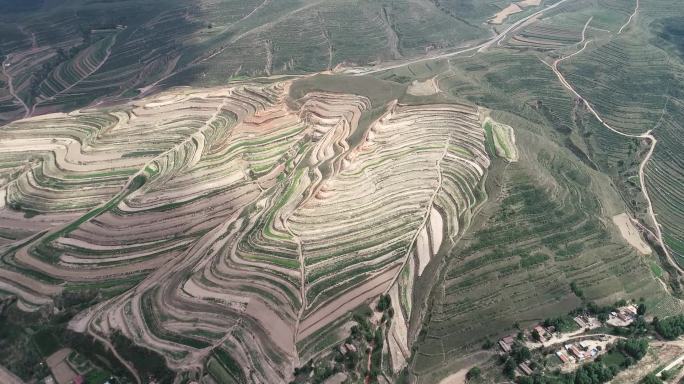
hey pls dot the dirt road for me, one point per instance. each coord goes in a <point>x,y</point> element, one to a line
<point>636,9</point>
<point>647,136</point>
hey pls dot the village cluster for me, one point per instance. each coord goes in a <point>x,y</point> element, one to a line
<point>571,348</point>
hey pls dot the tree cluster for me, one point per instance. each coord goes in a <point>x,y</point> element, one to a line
<point>591,373</point>
<point>561,323</point>
<point>634,348</point>
<point>671,327</point>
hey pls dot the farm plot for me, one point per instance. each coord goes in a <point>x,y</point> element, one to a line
<point>380,213</point>
<point>664,177</point>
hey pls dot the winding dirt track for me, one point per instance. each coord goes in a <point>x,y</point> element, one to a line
<point>10,87</point>
<point>636,9</point>
<point>647,136</point>
<point>116,354</point>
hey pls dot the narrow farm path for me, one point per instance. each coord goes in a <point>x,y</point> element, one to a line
<point>428,209</point>
<point>116,354</point>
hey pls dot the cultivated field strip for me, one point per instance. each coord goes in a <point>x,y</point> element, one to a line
<point>544,36</point>
<point>235,220</point>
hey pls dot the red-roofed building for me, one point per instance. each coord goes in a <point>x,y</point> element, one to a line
<point>563,357</point>
<point>576,352</point>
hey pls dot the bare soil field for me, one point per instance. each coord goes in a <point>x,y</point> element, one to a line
<point>502,15</point>
<point>630,233</point>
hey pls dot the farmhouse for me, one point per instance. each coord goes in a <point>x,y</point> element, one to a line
<point>563,357</point>
<point>623,316</point>
<point>579,355</point>
<point>631,309</point>
<point>506,343</point>
<point>580,322</point>
<point>542,333</point>
<point>525,368</point>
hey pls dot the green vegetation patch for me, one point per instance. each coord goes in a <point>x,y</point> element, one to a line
<point>379,92</point>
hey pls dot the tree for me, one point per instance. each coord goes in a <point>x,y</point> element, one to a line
<point>576,290</point>
<point>488,344</point>
<point>641,309</point>
<point>384,302</point>
<point>521,353</point>
<point>634,348</point>
<point>536,335</point>
<point>509,368</point>
<point>474,373</point>
<point>602,317</point>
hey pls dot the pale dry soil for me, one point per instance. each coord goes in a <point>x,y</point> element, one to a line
<point>503,14</point>
<point>529,3</point>
<point>8,377</point>
<point>60,368</point>
<point>630,233</point>
<point>456,378</point>
<point>423,88</point>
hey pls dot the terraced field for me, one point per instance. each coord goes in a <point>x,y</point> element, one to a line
<point>244,220</point>
<point>266,191</point>
<point>605,73</point>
